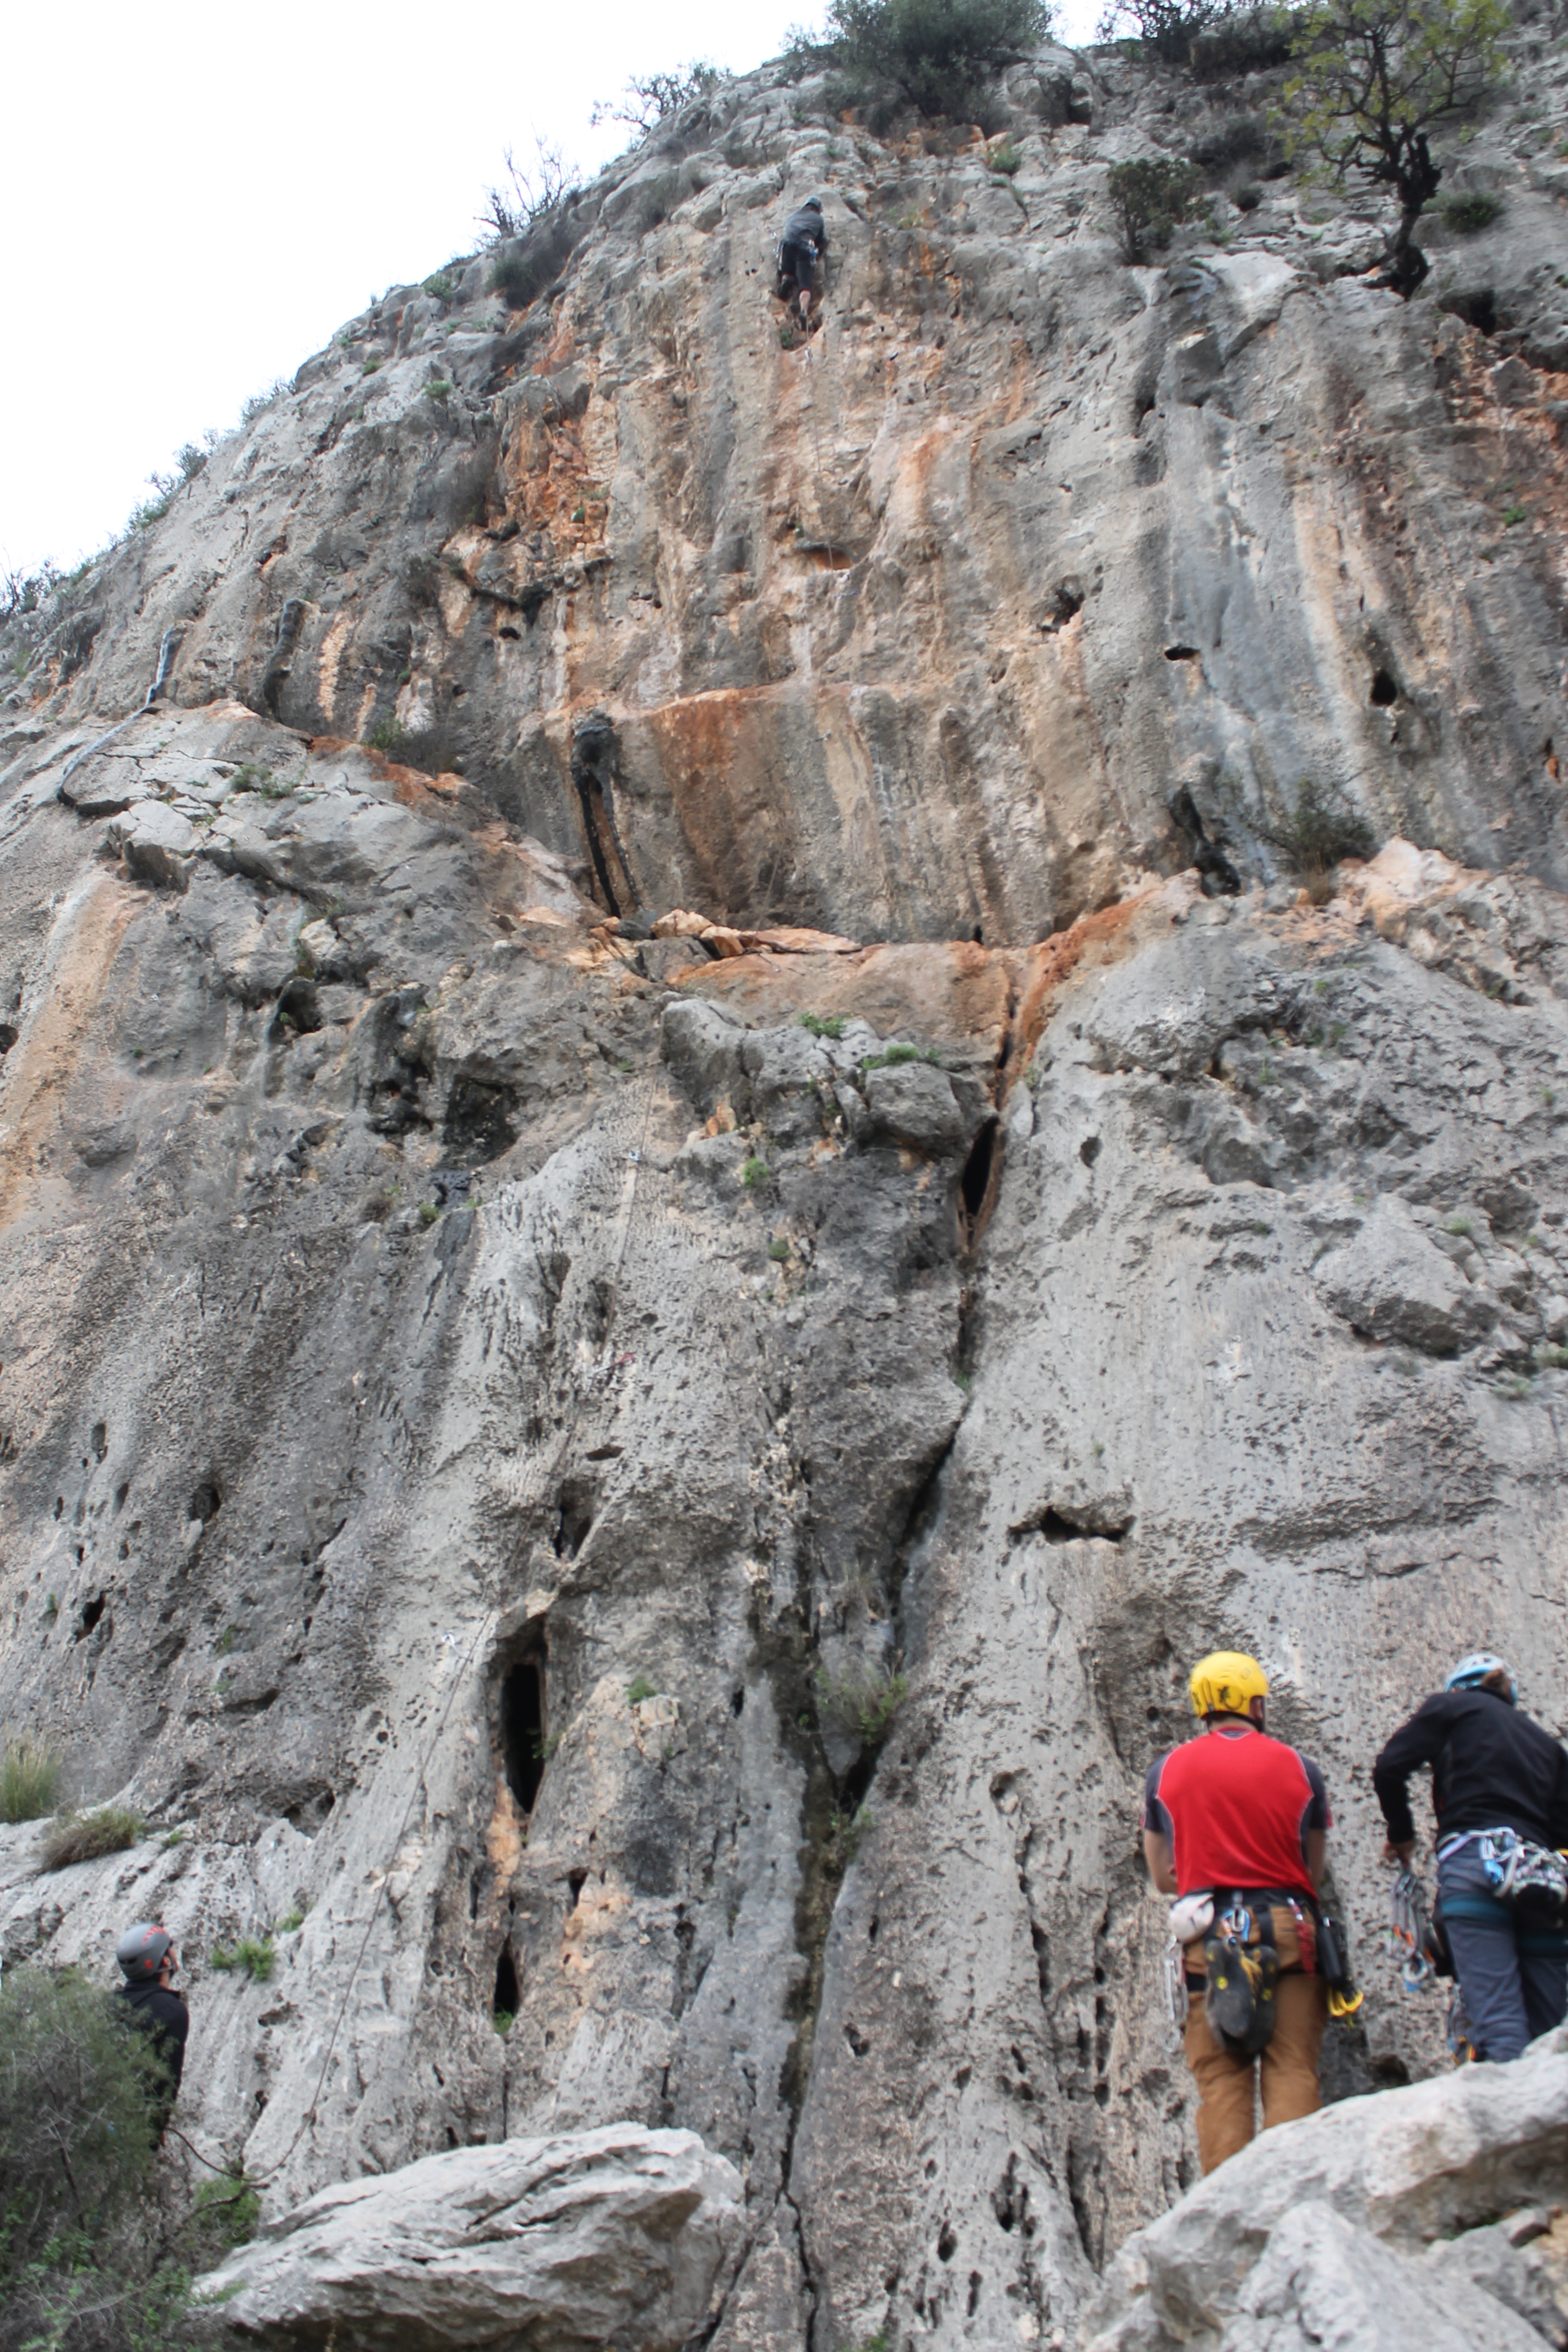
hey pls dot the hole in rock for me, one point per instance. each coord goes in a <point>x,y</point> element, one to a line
<point>91,1612</point>
<point>522,1729</point>
<point>973,2293</point>
<point>121,1492</point>
<point>205,1502</point>
<point>737,1701</point>
<point>1182,653</point>
<point>576,1880</point>
<point>1384,689</point>
<point>100,1438</point>
<point>575,1518</point>
<point>1477,309</point>
<point>976,1182</point>
<point>978,936</point>
<point>509,1993</point>
<point>947,2243</point>
<point>1060,1527</point>
<point>298,1012</point>
<point>1088,1150</point>
<point>856,2040</point>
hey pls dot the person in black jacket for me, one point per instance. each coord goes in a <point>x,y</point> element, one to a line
<point>805,238</point>
<point>1494,1772</point>
<point>147,1960</point>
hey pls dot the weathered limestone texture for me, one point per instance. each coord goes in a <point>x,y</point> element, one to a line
<point>1373,2224</point>
<point>641,1332</point>
<point>605,2237</point>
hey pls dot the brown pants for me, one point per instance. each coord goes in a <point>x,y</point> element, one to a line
<point>1288,2065</point>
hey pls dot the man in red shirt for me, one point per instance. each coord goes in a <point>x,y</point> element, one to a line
<point>1241,1818</point>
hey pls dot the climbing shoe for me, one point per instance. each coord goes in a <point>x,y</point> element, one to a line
<point>1239,2003</point>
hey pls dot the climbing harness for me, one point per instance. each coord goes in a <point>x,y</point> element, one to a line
<point>1531,1878</point>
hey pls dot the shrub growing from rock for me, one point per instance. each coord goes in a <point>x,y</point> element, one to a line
<point>939,53</point>
<point>1373,79</point>
<point>1150,196</point>
<point>1469,214</point>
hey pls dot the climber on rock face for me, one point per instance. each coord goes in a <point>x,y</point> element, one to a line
<point>805,238</point>
<point>1499,1789</point>
<point>147,1960</point>
<point>1235,1824</point>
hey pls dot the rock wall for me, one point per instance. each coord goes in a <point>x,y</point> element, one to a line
<point>652,1485</point>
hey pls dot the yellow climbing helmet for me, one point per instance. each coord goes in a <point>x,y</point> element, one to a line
<point>1226,1683</point>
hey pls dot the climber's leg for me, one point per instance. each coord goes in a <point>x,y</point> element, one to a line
<point>1225,2083</point>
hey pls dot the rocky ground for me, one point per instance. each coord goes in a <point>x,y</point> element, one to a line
<point>641,1329</point>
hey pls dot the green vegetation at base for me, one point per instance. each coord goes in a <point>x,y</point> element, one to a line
<point>98,2243</point>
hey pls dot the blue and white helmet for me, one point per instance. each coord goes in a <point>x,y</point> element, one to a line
<point>1471,1672</point>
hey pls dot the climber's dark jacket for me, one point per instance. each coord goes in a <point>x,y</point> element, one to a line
<point>1492,1768</point>
<point>806,227</point>
<point>154,2009</point>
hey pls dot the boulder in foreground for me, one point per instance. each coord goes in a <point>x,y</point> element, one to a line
<point>616,2236</point>
<point>1370,2225</point>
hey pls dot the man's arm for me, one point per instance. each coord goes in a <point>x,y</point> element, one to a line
<point>1161,1866</point>
<point>1417,1742</point>
<point>1317,1855</point>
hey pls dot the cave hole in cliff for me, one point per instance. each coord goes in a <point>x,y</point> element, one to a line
<point>298,1013</point>
<point>575,1517</point>
<point>1384,689</point>
<point>576,1880</point>
<point>91,1612</point>
<point>975,1184</point>
<point>1182,653</point>
<point>509,1992</point>
<point>1477,309</point>
<point>522,1727</point>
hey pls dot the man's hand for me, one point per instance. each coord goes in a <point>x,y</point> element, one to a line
<point>1401,1853</point>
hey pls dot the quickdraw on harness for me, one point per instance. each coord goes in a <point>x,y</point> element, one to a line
<point>1413,1939</point>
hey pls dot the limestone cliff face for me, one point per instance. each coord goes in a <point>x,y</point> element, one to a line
<point>663,1485</point>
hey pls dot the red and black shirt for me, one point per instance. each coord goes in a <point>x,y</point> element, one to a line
<point>1236,1808</point>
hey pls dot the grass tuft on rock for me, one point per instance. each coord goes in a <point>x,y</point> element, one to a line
<point>88,1837</point>
<point>29,1775</point>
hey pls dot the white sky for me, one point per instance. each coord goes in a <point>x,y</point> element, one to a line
<point>197,196</point>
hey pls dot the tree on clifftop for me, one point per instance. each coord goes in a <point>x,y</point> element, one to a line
<point>1374,79</point>
<point>938,52</point>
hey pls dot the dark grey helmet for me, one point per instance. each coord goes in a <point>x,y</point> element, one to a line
<point>811,205</point>
<point>141,1952</point>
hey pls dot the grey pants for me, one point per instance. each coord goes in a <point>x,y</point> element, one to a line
<point>1514,1979</point>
